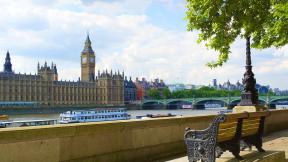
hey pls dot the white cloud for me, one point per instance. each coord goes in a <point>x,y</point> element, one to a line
<point>281,52</point>
<point>124,39</point>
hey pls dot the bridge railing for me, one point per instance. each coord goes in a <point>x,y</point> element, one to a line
<point>226,100</point>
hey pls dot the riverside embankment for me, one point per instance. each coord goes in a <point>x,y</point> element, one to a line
<point>132,140</point>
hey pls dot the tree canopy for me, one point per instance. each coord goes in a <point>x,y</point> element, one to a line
<point>220,22</point>
<point>154,93</point>
<point>196,93</point>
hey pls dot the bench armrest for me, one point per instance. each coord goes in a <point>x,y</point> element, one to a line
<point>208,132</point>
<point>196,134</point>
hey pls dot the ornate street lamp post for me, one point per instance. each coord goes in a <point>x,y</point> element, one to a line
<point>249,96</point>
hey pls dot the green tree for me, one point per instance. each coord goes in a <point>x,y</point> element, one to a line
<point>271,93</point>
<point>166,93</point>
<point>220,22</point>
<point>154,94</point>
<point>204,92</point>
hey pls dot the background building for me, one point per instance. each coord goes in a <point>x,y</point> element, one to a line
<point>45,89</point>
<point>143,86</point>
<point>176,87</point>
<point>130,91</point>
<point>238,86</point>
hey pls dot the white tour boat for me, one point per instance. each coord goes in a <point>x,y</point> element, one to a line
<point>94,115</point>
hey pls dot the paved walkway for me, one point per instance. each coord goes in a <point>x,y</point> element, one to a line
<point>274,142</point>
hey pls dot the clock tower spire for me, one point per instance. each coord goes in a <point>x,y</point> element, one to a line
<point>88,62</point>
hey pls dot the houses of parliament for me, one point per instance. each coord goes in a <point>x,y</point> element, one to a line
<point>44,88</point>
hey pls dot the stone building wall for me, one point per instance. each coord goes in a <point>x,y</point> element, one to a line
<point>33,88</point>
<point>45,89</point>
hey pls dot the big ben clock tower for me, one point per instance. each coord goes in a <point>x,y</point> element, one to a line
<point>88,62</point>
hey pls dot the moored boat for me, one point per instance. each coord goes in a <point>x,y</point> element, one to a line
<point>4,117</point>
<point>94,115</point>
<point>22,123</point>
<point>155,116</point>
<point>225,111</point>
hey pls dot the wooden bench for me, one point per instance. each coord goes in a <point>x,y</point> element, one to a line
<point>225,133</point>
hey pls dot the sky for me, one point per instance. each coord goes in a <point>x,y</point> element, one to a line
<point>143,38</point>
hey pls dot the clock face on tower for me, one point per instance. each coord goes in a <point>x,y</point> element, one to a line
<point>91,60</point>
<point>84,60</point>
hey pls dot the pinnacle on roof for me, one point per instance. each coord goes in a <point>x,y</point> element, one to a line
<point>88,41</point>
<point>7,55</point>
<point>87,46</point>
<point>7,64</point>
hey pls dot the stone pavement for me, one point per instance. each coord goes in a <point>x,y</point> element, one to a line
<point>275,145</point>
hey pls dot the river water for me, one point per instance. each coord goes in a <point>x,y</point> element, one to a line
<point>133,113</point>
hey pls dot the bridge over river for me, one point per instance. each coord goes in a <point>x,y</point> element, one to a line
<point>210,102</point>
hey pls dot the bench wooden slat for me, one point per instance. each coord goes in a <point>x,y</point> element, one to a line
<point>227,125</point>
<point>245,134</point>
<point>235,116</point>
<point>250,125</point>
<point>259,114</point>
<point>250,129</point>
<point>251,120</point>
<point>225,136</point>
<point>227,130</point>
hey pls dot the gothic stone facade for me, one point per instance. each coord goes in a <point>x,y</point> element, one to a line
<point>44,88</point>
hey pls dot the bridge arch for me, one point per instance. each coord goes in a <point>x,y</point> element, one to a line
<point>234,103</point>
<point>279,101</point>
<point>262,102</point>
<point>177,104</point>
<point>153,105</point>
<point>202,104</point>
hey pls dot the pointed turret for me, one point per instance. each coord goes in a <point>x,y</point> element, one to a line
<point>55,69</point>
<point>8,65</point>
<point>87,46</point>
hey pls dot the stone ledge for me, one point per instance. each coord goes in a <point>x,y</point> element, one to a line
<point>249,156</point>
<point>254,156</point>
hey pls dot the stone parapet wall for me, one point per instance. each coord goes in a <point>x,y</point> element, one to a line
<point>278,120</point>
<point>133,140</point>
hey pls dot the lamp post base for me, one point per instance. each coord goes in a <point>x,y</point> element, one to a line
<point>246,99</point>
<point>254,108</point>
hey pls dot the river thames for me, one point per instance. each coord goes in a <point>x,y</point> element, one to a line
<point>133,113</point>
